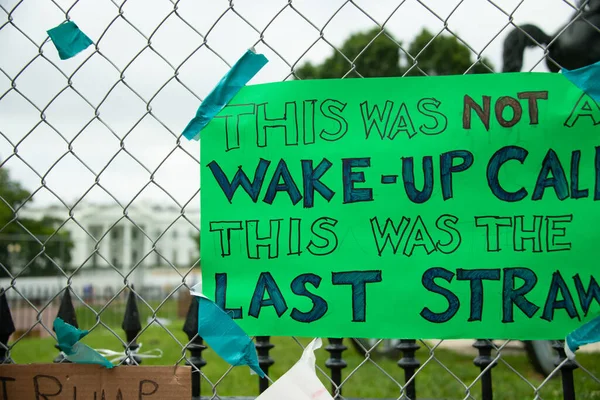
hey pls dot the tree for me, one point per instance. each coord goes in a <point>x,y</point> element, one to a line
<point>381,58</point>
<point>19,236</point>
<point>442,55</point>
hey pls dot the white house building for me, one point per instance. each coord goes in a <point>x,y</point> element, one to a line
<point>158,241</point>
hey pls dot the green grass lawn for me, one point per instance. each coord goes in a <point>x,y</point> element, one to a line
<point>366,380</point>
<point>113,314</point>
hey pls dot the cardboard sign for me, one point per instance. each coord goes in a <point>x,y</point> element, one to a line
<point>77,381</point>
<point>437,207</point>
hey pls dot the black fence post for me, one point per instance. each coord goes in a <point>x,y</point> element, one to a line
<point>263,346</point>
<point>7,328</point>
<point>67,313</point>
<point>196,347</point>
<point>566,371</point>
<point>336,363</point>
<point>132,326</point>
<point>483,360</point>
<point>409,364</point>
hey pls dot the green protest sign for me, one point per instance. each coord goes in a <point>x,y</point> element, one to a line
<point>439,207</point>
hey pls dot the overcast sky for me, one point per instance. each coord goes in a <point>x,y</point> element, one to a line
<point>154,139</point>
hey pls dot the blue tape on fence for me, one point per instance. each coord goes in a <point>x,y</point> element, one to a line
<point>225,337</point>
<point>67,334</point>
<point>69,40</point>
<point>237,77</point>
<point>585,334</point>
<point>587,79</point>
<point>68,338</point>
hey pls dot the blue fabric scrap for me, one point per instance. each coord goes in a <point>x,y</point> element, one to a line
<point>225,336</point>
<point>68,341</point>
<point>236,78</point>
<point>585,334</point>
<point>69,40</point>
<point>586,79</point>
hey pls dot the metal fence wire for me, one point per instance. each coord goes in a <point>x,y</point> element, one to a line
<point>100,197</point>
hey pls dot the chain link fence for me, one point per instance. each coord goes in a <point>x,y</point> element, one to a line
<point>100,197</point>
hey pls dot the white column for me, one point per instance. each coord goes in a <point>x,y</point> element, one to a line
<point>105,247</point>
<point>127,247</point>
<point>128,261</point>
<point>82,246</point>
<point>144,248</point>
<point>142,269</point>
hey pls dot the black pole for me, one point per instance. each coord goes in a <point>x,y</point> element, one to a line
<point>566,371</point>
<point>132,327</point>
<point>196,347</point>
<point>67,313</point>
<point>483,360</point>
<point>409,364</point>
<point>336,363</point>
<point>7,328</point>
<point>263,346</point>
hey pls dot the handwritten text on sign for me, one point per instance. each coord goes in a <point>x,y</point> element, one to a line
<point>77,381</point>
<point>406,207</point>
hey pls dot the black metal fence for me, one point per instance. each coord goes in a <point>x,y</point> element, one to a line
<point>131,324</point>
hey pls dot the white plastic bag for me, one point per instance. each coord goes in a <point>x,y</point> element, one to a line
<point>300,382</point>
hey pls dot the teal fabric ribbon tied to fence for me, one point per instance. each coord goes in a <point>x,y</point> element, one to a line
<point>224,336</point>
<point>586,79</point>
<point>585,334</point>
<point>69,40</point>
<point>235,79</point>
<point>68,341</point>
